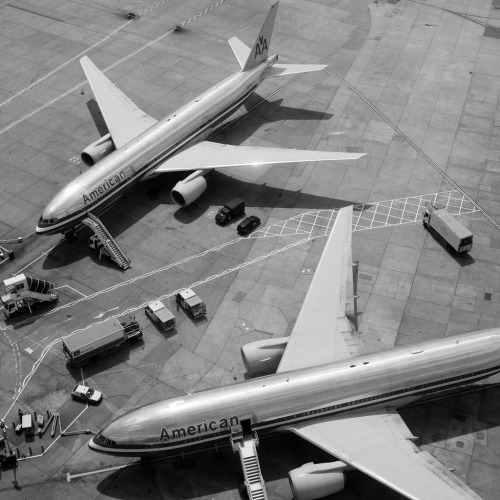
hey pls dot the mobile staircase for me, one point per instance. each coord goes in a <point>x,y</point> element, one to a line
<point>246,446</point>
<point>110,245</point>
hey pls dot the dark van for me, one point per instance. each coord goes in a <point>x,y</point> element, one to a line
<point>230,211</point>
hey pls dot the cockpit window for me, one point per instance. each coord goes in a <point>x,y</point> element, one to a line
<point>104,441</point>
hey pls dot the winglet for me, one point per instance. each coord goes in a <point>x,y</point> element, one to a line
<point>260,49</point>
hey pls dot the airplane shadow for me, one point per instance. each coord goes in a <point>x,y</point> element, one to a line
<point>144,199</point>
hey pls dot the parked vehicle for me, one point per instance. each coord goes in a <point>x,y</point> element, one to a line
<point>101,339</point>
<point>191,303</point>
<point>447,229</point>
<point>248,225</point>
<point>159,314</point>
<point>23,294</point>
<point>230,211</point>
<point>85,393</point>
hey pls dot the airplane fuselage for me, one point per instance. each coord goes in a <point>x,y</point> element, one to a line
<point>101,185</point>
<point>273,402</point>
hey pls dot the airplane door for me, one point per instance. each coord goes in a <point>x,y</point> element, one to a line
<point>246,425</point>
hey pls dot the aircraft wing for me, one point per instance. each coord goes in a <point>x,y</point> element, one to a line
<point>376,443</point>
<point>322,332</point>
<point>125,121</point>
<point>207,155</point>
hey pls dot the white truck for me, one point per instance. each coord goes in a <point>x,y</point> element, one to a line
<point>191,303</point>
<point>159,314</point>
<point>101,339</point>
<point>449,230</point>
<point>23,293</point>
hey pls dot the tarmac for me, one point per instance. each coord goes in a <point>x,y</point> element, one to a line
<point>415,85</point>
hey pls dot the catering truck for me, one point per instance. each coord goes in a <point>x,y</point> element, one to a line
<point>230,211</point>
<point>101,339</point>
<point>23,293</point>
<point>159,314</point>
<point>447,229</point>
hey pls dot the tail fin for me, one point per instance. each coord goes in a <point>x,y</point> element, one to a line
<point>260,48</point>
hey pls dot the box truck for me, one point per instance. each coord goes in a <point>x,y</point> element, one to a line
<point>447,229</point>
<point>101,339</point>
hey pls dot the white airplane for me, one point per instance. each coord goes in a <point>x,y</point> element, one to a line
<point>138,147</point>
<point>324,391</point>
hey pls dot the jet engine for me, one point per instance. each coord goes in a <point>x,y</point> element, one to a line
<point>98,150</point>
<point>189,189</point>
<point>263,357</point>
<point>312,481</point>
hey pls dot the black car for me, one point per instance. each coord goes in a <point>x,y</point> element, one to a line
<point>248,225</point>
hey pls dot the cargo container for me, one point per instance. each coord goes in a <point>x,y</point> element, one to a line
<point>448,229</point>
<point>101,339</point>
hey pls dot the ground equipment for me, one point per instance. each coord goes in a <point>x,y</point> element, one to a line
<point>23,293</point>
<point>101,339</point>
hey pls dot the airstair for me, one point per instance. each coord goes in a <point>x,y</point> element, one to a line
<point>246,446</point>
<point>41,290</point>
<point>110,244</point>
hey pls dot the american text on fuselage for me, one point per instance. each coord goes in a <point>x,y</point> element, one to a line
<point>100,190</point>
<point>201,428</point>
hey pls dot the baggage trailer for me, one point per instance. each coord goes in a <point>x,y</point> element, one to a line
<point>159,314</point>
<point>446,228</point>
<point>100,339</point>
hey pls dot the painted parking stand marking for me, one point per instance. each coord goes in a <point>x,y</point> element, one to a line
<point>71,288</point>
<point>17,360</point>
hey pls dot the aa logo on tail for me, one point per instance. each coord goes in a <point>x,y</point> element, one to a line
<point>260,46</point>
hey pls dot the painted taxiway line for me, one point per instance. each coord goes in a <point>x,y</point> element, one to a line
<point>116,63</point>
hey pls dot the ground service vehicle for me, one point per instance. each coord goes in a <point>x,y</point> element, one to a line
<point>86,393</point>
<point>191,303</point>
<point>230,211</point>
<point>248,225</point>
<point>159,314</point>
<point>101,339</point>
<point>447,229</point>
<point>23,293</point>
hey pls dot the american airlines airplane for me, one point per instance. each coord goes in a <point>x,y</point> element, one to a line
<point>138,147</point>
<point>322,389</point>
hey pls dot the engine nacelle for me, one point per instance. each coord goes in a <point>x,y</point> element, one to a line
<point>188,190</point>
<point>312,481</point>
<point>98,150</point>
<point>263,357</point>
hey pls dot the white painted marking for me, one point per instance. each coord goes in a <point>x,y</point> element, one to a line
<point>100,315</point>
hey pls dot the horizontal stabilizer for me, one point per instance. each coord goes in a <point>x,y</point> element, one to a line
<point>279,69</point>
<point>241,51</point>
<point>208,155</point>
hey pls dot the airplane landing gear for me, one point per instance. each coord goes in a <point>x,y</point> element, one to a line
<point>70,235</point>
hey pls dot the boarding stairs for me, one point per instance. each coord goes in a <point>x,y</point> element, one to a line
<point>246,446</point>
<point>41,290</point>
<point>110,244</point>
